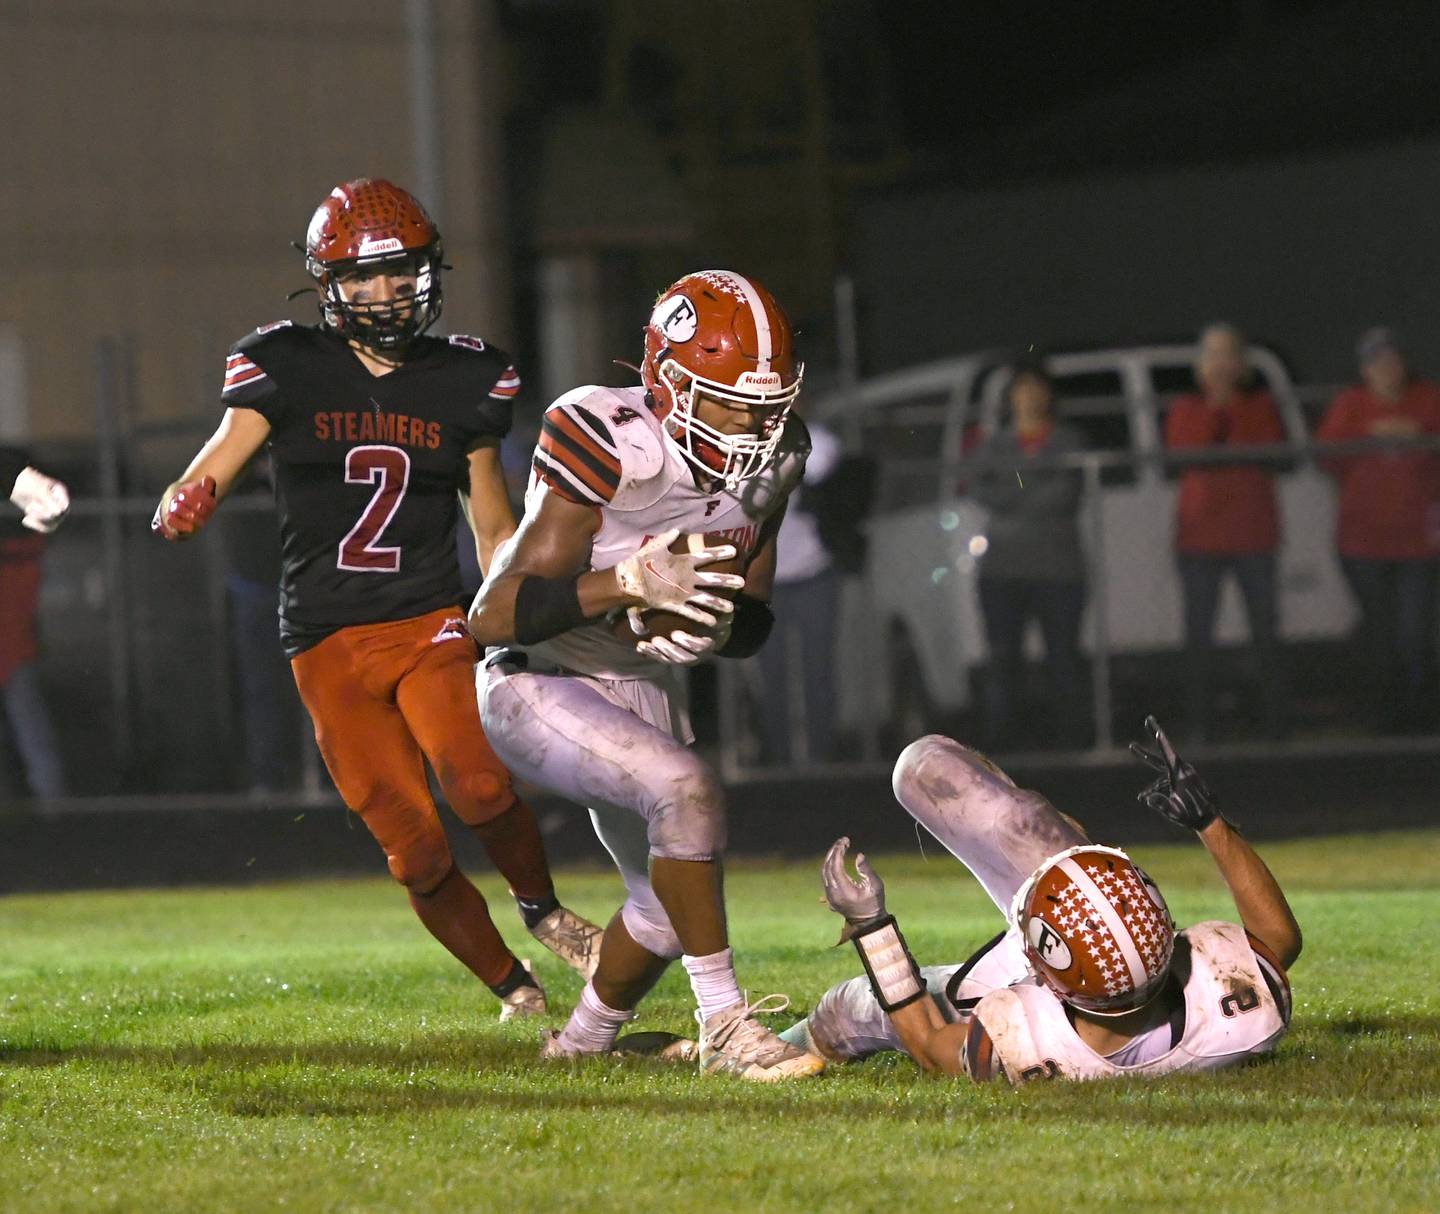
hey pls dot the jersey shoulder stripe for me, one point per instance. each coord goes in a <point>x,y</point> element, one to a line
<point>575,455</point>
<point>507,387</point>
<point>240,371</point>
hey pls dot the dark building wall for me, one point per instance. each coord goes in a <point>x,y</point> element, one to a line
<point>1304,254</point>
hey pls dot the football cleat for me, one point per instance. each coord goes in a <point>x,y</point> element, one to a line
<point>574,940</point>
<point>524,1001</point>
<point>733,1042</point>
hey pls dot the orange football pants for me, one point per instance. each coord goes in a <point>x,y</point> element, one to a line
<point>384,698</point>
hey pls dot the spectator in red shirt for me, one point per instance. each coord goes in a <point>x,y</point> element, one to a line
<point>1226,518</point>
<point>1388,533</point>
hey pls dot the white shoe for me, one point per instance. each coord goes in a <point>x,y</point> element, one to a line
<point>523,1001</point>
<point>733,1042</point>
<point>574,940</point>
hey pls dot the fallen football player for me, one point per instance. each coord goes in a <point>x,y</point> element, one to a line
<point>1090,978</point>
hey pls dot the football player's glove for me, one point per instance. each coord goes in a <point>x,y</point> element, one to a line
<point>44,500</point>
<point>188,509</point>
<point>859,901</point>
<point>674,581</point>
<point>1178,792</point>
<point>678,649</point>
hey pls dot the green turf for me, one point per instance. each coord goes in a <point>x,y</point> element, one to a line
<point>306,1047</point>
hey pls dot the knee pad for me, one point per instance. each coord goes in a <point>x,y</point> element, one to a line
<point>649,927</point>
<point>687,818</point>
<point>479,793</point>
<point>422,862</point>
<point>935,768</point>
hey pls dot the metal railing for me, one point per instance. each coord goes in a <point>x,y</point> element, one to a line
<point>870,737</point>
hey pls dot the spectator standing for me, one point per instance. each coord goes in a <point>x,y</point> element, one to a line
<point>1227,519</point>
<point>1388,531</point>
<point>44,503</point>
<point>797,663</point>
<point>1033,566</point>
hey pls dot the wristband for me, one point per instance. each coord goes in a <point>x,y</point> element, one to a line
<point>750,625</point>
<point>893,974</point>
<point>546,607</point>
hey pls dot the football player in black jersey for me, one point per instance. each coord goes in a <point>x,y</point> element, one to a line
<point>378,433</point>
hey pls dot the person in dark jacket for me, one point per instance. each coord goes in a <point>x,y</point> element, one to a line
<point>1032,565</point>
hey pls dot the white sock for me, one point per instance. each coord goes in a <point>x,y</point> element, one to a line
<point>592,1027</point>
<point>713,980</point>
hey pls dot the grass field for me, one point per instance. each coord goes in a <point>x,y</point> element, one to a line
<point>307,1047</point>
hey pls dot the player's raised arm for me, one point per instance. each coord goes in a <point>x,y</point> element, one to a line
<point>1179,794</point>
<point>487,503</point>
<point>187,504</point>
<point>893,974</point>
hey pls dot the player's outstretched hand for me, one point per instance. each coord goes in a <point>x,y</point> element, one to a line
<point>44,500</point>
<point>1178,792</point>
<point>674,581</point>
<point>860,901</point>
<point>188,509</point>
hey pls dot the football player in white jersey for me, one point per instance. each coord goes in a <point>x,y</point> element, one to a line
<point>1091,979</point>
<point>589,703</point>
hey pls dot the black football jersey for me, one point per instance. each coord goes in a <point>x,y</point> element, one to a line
<point>367,468</point>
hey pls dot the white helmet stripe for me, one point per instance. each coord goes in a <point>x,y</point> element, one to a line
<point>762,322</point>
<point>1118,930</point>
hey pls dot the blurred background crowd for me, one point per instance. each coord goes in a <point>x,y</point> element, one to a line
<point>1103,420</point>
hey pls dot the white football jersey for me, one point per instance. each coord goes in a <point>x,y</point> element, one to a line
<point>1237,1005</point>
<point>603,447</point>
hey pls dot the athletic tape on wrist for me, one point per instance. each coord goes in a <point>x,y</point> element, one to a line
<point>893,974</point>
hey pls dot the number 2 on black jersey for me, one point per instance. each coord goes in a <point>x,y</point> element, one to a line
<point>388,469</point>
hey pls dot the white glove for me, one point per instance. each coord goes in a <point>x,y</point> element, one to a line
<point>859,901</point>
<point>44,500</point>
<point>674,581</point>
<point>678,649</point>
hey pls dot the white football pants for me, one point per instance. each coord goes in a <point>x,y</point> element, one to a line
<point>609,745</point>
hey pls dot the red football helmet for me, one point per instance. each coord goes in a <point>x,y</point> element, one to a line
<point>371,222</point>
<point>724,336</point>
<point>1095,929</point>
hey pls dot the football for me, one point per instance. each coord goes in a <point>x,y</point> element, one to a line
<point>663,623</point>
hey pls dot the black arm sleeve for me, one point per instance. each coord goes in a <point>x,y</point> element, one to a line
<point>749,629</point>
<point>546,607</point>
<point>13,461</point>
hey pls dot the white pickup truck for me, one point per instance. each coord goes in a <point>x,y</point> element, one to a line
<point>913,625</point>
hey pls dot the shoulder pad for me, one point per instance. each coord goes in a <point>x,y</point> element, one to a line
<point>791,455</point>
<point>277,332</point>
<point>599,447</point>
